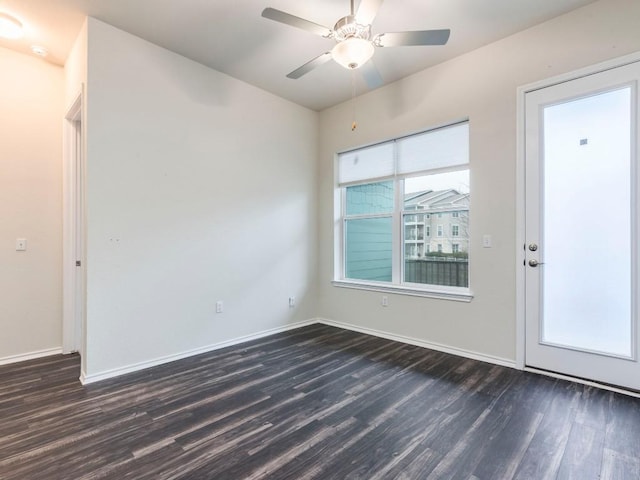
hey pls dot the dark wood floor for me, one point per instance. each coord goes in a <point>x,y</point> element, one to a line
<point>317,402</point>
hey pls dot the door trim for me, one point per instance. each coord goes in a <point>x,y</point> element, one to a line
<point>520,182</point>
<point>72,340</point>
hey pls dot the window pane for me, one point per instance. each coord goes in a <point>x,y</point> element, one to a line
<point>366,163</point>
<point>370,199</point>
<point>368,249</point>
<point>441,259</point>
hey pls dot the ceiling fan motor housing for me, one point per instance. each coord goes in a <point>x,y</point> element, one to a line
<point>347,27</point>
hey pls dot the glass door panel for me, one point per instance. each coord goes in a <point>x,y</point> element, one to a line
<point>587,224</point>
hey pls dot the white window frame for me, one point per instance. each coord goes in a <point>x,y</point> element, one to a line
<point>397,285</point>
<point>440,231</point>
<point>455,230</point>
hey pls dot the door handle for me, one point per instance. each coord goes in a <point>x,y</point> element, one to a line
<point>535,263</point>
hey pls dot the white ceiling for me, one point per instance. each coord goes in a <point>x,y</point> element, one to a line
<point>232,37</point>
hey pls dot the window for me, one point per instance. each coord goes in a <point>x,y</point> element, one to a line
<point>455,248</point>
<point>440,215</point>
<point>380,241</point>
<point>455,214</point>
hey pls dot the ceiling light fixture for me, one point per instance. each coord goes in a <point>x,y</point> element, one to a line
<point>10,27</point>
<point>353,52</point>
<point>40,51</point>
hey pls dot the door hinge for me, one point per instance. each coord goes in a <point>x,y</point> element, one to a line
<point>78,263</point>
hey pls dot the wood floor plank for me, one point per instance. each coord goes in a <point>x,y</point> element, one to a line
<point>617,466</point>
<point>623,426</point>
<point>313,403</point>
<point>584,453</point>
<point>544,455</point>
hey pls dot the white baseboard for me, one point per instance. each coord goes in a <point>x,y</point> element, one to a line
<point>96,377</point>
<point>421,343</point>
<point>30,356</point>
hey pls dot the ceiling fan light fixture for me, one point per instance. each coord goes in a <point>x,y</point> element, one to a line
<point>10,27</point>
<point>353,52</point>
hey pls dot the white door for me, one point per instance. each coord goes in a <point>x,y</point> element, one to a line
<point>73,243</point>
<point>78,239</point>
<point>581,261</point>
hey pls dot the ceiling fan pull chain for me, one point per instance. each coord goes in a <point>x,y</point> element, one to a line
<point>354,125</point>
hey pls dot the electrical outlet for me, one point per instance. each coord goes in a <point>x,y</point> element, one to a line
<point>219,306</point>
<point>385,301</point>
<point>292,302</point>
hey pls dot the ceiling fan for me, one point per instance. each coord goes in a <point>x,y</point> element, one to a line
<point>355,44</point>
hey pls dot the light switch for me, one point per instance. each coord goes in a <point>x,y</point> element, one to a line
<point>486,241</point>
<point>21,244</point>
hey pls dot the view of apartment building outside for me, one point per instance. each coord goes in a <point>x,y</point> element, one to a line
<point>439,226</point>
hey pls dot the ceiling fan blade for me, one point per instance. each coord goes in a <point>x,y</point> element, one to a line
<point>371,75</point>
<point>421,37</point>
<point>307,67</point>
<point>367,11</point>
<point>288,19</point>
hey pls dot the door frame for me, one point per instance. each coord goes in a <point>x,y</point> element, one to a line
<point>73,291</point>
<point>520,189</point>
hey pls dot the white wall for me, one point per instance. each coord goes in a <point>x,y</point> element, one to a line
<point>199,188</point>
<point>31,111</point>
<point>481,86</point>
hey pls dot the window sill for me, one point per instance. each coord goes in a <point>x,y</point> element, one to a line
<point>460,295</point>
